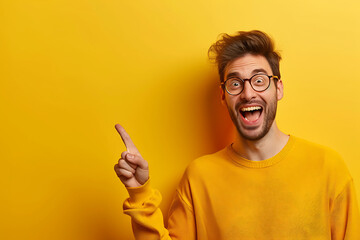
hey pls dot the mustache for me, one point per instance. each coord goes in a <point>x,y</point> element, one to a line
<point>257,102</point>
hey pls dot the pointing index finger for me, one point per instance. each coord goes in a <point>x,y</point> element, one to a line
<point>130,146</point>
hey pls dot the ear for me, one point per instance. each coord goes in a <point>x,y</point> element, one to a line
<point>222,95</point>
<point>279,89</point>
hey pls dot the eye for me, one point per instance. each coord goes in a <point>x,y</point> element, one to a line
<point>233,83</point>
<point>259,80</point>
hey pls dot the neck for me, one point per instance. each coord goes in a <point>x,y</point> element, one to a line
<point>264,148</point>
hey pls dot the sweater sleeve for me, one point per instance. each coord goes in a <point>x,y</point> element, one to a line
<point>147,219</point>
<point>345,217</point>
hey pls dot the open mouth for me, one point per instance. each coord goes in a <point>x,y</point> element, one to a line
<point>251,113</point>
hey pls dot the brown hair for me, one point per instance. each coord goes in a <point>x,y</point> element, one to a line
<point>228,48</point>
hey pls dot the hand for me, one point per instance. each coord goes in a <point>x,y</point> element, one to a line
<point>132,169</point>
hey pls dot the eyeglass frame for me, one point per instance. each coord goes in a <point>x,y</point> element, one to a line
<point>249,79</point>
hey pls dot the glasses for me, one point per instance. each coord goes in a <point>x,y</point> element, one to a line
<point>259,82</point>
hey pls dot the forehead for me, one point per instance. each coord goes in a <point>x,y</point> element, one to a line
<point>248,65</point>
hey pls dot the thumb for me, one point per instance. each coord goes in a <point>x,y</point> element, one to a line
<point>137,160</point>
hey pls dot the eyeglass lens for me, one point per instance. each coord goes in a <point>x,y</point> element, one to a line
<point>258,82</point>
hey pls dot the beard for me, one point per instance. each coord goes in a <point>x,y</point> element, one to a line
<point>269,111</point>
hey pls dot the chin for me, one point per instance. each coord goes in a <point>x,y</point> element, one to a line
<point>255,134</point>
<point>252,137</point>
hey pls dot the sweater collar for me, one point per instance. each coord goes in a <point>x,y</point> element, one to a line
<point>263,163</point>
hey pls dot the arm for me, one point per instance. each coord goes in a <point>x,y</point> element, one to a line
<point>345,217</point>
<point>147,218</point>
<point>143,204</point>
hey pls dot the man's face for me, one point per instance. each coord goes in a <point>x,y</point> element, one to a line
<point>252,123</point>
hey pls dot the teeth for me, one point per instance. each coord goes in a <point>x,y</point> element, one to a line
<point>250,109</point>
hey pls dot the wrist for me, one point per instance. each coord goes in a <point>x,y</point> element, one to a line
<point>139,194</point>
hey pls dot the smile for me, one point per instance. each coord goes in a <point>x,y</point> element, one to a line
<point>251,113</point>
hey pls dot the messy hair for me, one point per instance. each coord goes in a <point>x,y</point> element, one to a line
<point>229,48</point>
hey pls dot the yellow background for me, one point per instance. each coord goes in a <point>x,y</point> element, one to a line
<point>70,70</point>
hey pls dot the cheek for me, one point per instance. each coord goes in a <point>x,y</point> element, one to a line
<point>230,102</point>
<point>271,96</point>
<point>227,99</point>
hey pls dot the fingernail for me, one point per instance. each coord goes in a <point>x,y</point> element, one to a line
<point>130,156</point>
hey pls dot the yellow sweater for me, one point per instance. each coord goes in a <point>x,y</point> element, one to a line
<point>304,192</point>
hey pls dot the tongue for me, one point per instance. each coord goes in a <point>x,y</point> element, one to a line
<point>252,115</point>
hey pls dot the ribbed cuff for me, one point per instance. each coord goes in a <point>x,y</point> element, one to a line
<point>139,194</point>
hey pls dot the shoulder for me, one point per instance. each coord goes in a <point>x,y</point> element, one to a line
<point>315,151</point>
<point>202,169</point>
<point>325,160</point>
<point>207,163</point>
<point>312,147</point>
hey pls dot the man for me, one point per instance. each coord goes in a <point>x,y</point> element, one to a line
<point>265,185</point>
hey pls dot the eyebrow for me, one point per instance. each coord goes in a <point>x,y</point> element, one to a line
<point>255,71</point>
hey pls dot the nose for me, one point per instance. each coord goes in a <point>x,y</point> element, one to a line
<point>248,92</point>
